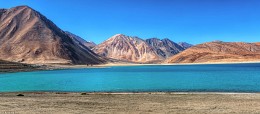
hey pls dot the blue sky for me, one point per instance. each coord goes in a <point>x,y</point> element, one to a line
<point>193,21</point>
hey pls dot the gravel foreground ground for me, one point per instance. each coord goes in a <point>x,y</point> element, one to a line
<point>130,103</point>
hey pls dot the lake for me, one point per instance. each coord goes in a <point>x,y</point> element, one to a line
<point>158,78</point>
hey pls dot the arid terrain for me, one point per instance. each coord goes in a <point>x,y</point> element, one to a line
<point>156,103</point>
<point>213,52</point>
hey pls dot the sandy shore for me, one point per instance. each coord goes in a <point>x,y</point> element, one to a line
<point>135,64</point>
<point>132,64</point>
<point>182,103</point>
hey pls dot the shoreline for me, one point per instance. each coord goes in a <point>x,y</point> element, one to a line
<point>134,93</point>
<point>155,103</point>
<point>169,64</point>
<point>50,67</point>
<point>131,64</point>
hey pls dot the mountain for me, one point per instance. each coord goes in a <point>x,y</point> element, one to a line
<point>165,47</point>
<point>127,48</point>
<point>81,40</point>
<point>29,37</point>
<point>219,52</point>
<point>185,45</point>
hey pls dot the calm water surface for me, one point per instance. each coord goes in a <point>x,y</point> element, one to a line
<point>181,78</point>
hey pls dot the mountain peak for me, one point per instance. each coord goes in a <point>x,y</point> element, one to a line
<point>17,9</point>
<point>119,35</point>
<point>123,37</point>
<point>167,39</point>
<point>156,39</point>
<point>22,6</point>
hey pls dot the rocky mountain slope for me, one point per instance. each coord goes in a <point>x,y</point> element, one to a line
<point>29,37</point>
<point>127,48</point>
<point>165,47</point>
<point>89,44</point>
<point>219,52</point>
<point>185,45</point>
<point>134,49</point>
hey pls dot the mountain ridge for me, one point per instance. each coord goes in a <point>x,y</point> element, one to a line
<point>218,52</point>
<point>88,44</point>
<point>128,48</point>
<point>165,47</point>
<point>135,49</point>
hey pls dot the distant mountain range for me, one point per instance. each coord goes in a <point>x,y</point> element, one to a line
<point>29,37</point>
<point>123,47</point>
<point>135,49</point>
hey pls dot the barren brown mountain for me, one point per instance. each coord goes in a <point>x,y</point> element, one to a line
<point>29,37</point>
<point>219,52</point>
<point>127,48</point>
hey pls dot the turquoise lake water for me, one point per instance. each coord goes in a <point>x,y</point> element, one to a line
<point>180,78</point>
